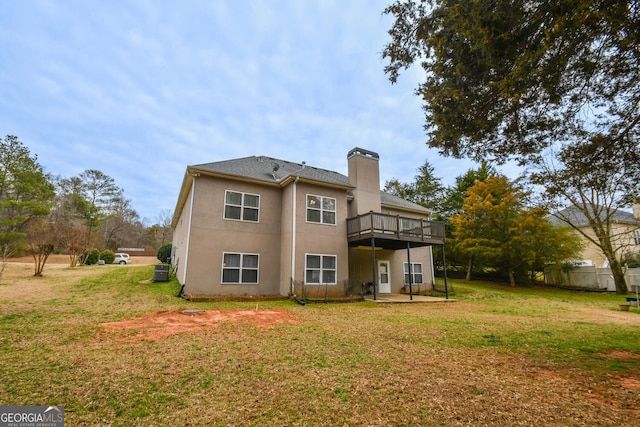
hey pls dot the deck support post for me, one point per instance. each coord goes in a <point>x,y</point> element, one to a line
<point>410,272</point>
<point>373,266</point>
<point>444,270</point>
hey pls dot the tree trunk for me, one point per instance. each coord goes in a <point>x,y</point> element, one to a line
<point>616,268</point>
<point>618,277</point>
<point>40,257</point>
<point>470,267</point>
<point>512,278</point>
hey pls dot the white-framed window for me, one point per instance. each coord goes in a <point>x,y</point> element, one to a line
<point>239,268</point>
<point>636,236</point>
<point>241,206</point>
<point>416,272</point>
<point>321,210</point>
<point>320,269</point>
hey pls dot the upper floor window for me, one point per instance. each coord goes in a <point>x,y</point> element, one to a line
<point>416,272</point>
<point>241,206</point>
<point>320,269</point>
<point>321,209</point>
<point>636,236</point>
<point>239,268</point>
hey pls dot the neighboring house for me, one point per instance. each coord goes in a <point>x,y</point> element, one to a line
<point>260,226</point>
<point>625,229</point>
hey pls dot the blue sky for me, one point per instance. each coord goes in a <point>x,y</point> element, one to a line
<point>139,89</point>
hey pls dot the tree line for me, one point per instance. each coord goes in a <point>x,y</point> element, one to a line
<point>552,84</point>
<point>41,214</point>
<point>491,228</point>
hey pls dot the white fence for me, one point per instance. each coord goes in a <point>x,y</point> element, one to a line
<point>589,277</point>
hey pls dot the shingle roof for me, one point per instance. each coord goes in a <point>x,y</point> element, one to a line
<point>391,200</point>
<point>579,219</point>
<point>268,169</point>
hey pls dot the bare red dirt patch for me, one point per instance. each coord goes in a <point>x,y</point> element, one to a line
<point>623,355</point>
<point>155,326</point>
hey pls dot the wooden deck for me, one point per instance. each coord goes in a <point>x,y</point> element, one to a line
<point>394,231</point>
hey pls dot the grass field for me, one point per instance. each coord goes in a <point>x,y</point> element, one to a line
<point>498,356</point>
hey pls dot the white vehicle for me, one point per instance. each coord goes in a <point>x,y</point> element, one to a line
<point>121,259</point>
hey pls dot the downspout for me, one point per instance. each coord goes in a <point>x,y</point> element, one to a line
<point>293,233</point>
<point>186,255</point>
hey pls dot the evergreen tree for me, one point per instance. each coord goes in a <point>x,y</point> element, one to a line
<point>26,192</point>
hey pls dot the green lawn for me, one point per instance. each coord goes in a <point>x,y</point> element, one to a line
<point>497,356</point>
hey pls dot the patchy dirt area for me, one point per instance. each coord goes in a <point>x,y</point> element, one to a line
<point>598,315</point>
<point>155,326</point>
<point>627,382</point>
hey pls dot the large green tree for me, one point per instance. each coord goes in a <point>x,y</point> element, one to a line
<point>427,189</point>
<point>507,78</point>
<point>26,192</point>
<point>497,227</point>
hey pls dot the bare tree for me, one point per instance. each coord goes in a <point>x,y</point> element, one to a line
<point>164,222</point>
<point>42,238</point>
<point>596,182</point>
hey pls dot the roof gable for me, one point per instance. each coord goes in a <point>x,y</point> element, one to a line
<point>579,219</point>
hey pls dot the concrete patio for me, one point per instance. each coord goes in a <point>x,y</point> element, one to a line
<point>405,298</point>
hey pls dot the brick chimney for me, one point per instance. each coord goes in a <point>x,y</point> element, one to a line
<point>364,174</point>
<point>636,209</point>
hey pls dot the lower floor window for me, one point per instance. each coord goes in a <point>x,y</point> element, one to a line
<point>320,269</point>
<point>239,268</point>
<point>416,272</point>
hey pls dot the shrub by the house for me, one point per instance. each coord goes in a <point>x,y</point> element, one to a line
<point>164,252</point>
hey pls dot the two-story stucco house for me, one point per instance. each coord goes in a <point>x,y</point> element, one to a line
<point>262,226</point>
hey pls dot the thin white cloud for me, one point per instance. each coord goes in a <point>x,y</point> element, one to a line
<point>141,89</point>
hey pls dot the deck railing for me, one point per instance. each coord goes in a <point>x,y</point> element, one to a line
<point>394,227</point>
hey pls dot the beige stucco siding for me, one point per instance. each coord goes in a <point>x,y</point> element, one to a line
<point>322,239</point>
<point>217,235</point>
<point>362,272</point>
<point>421,256</point>
<point>360,269</point>
<point>271,237</point>
<point>622,240</point>
<point>364,174</point>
